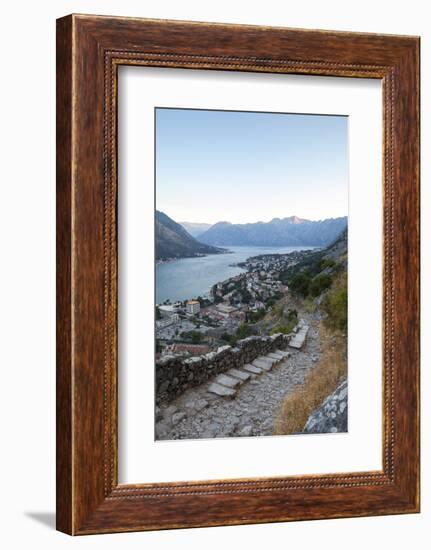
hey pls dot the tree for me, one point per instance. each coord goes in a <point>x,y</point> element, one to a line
<point>292,315</point>
<point>243,331</point>
<point>245,296</point>
<point>319,284</point>
<point>196,337</point>
<point>254,316</point>
<point>300,284</point>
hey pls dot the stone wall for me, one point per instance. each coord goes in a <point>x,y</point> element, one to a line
<point>174,374</point>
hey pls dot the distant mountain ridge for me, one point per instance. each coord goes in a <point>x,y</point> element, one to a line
<point>291,231</point>
<point>173,241</point>
<point>194,228</point>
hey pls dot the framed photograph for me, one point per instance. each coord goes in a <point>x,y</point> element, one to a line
<point>237,274</point>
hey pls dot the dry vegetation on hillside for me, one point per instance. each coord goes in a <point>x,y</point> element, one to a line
<point>318,384</point>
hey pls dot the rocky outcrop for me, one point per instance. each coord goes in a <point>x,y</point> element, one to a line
<point>175,374</point>
<point>331,416</point>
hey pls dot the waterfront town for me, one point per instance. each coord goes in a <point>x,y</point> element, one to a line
<point>230,310</point>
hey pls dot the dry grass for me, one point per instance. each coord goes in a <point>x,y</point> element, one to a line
<point>318,384</point>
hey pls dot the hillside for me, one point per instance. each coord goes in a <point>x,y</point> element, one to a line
<point>195,229</point>
<point>292,231</point>
<point>297,374</point>
<point>318,293</point>
<point>173,241</point>
<point>317,282</point>
<point>321,278</point>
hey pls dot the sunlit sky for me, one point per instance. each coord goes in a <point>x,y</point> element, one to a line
<point>246,167</point>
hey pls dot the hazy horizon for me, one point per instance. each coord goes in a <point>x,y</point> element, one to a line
<point>246,167</point>
<point>252,221</point>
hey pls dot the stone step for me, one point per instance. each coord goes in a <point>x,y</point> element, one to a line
<point>298,340</point>
<point>263,364</point>
<point>270,360</point>
<point>227,381</point>
<point>285,354</point>
<point>221,391</point>
<point>276,356</point>
<point>267,359</point>
<point>241,375</point>
<point>252,369</point>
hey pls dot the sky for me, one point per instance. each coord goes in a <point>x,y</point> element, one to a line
<point>245,167</point>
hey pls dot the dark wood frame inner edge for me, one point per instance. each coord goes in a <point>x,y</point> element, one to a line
<point>71,514</point>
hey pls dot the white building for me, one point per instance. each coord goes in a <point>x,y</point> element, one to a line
<point>193,307</point>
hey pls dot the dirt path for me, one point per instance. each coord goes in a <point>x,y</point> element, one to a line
<point>197,414</point>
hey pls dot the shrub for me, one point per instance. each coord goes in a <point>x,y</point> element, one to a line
<point>327,262</point>
<point>292,315</point>
<point>309,305</point>
<point>196,337</point>
<point>284,329</point>
<point>335,305</point>
<point>243,331</point>
<point>300,284</point>
<point>319,284</point>
<point>278,310</point>
<point>229,338</point>
<point>254,316</point>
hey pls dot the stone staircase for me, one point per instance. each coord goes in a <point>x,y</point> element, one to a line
<point>227,384</point>
<point>298,339</point>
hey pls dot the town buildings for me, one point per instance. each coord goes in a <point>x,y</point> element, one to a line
<point>184,326</point>
<point>193,307</point>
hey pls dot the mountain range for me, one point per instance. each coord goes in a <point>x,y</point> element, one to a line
<point>195,229</point>
<point>173,241</point>
<point>291,231</point>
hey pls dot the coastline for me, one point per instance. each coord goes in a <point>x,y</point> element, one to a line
<point>243,265</point>
<point>174,259</point>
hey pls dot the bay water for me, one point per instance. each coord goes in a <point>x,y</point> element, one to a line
<point>192,277</point>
